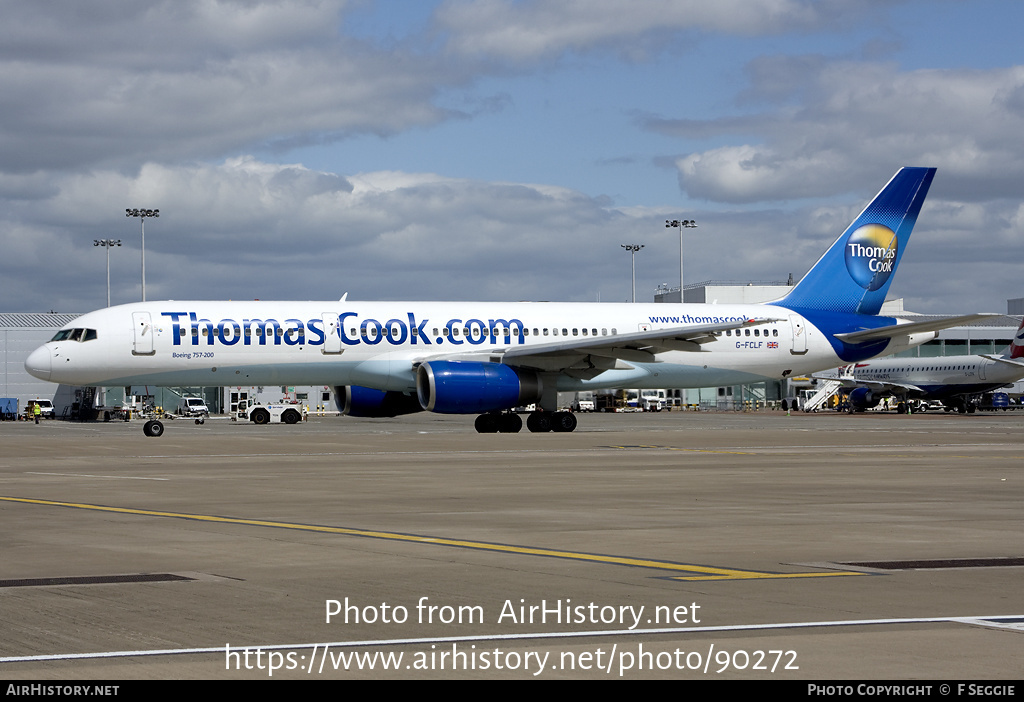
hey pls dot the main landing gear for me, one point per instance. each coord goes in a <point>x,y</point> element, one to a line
<point>512,423</point>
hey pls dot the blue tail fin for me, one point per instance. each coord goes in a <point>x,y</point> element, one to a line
<point>855,273</point>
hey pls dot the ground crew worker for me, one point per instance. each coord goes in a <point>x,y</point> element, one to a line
<point>37,411</point>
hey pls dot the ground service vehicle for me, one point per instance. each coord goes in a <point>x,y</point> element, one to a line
<point>257,413</point>
<point>192,407</point>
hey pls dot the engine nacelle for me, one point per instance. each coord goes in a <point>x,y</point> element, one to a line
<point>470,387</point>
<point>356,401</point>
<point>863,398</point>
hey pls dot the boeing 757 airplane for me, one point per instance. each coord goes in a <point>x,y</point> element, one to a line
<point>391,358</point>
<point>951,379</point>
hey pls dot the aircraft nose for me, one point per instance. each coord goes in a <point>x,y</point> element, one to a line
<point>38,363</point>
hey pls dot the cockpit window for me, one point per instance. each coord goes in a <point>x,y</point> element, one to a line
<point>74,335</point>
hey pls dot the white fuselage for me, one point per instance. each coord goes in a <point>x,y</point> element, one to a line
<point>941,376</point>
<point>378,343</point>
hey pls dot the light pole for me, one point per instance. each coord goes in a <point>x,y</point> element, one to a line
<point>142,214</point>
<point>632,249</point>
<point>107,243</point>
<point>684,224</point>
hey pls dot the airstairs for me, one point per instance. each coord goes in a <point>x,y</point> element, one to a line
<point>826,390</point>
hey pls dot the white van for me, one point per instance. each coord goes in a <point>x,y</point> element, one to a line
<point>192,407</point>
<point>46,410</point>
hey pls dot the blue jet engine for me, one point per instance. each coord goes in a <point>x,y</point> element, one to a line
<point>469,387</point>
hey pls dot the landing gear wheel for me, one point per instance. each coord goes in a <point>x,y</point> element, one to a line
<point>510,423</point>
<point>564,422</point>
<point>153,428</point>
<point>486,424</point>
<point>539,422</point>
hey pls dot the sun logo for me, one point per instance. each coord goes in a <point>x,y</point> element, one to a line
<point>871,255</point>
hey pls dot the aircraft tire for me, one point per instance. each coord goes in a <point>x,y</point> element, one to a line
<point>486,424</point>
<point>153,428</point>
<point>539,422</point>
<point>510,423</point>
<point>564,422</point>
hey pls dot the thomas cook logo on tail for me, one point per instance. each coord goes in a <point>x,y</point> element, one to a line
<point>871,255</point>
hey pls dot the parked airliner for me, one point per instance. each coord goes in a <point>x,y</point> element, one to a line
<point>952,379</point>
<point>392,358</point>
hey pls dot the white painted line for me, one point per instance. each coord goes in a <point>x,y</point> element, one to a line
<point>87,475</point>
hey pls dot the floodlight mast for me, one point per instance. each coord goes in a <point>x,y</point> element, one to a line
<point>142,214</point>
<point>681,224</point>
<point>633,248</point>
<point>107,243</point>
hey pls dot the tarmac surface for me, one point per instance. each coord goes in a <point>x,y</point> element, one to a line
<point>671,545</point>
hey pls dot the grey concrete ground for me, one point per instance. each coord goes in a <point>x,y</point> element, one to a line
<point>730,531</point>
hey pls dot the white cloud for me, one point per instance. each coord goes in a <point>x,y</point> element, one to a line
<point>855,121</point>
<point>250,229</point>
<point>117,83</point>
<point>535,29</point>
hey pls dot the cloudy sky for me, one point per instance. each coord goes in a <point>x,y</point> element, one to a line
<point>499,149</point>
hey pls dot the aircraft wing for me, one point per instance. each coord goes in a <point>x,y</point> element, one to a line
<point>590,356</point>
<point>859,337</point>
<point>611,352</point>
<point>876,385</point>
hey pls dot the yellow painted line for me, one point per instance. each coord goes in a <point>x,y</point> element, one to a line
<point>703,572</point>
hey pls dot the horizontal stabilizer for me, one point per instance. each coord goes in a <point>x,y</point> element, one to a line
<point>1004,359</point>
<point>893,330</point>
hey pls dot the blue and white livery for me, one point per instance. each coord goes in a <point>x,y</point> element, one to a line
<point>391,358</point>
